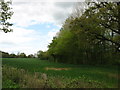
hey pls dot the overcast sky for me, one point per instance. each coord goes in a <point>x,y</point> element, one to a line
<point>35,25</point>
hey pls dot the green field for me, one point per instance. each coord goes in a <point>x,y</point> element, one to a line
<point>106,76</point>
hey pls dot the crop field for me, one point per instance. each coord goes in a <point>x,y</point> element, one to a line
<point>67,75</point>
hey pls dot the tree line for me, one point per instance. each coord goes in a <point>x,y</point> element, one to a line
<point>19,55</point>
<point>92,37</point>
<point>88,36</point>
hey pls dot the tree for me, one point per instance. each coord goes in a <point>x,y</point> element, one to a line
<point>31,56</point>
<point>12,55</point>
<point>85,39</point>
<point>5,15</point>
<point>42,55</point>
<point>22,55</point>
<point>99,23</point>
<point>79,9</point>
<point>4,54</point>
<point>103,22</point>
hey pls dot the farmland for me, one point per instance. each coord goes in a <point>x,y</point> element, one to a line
<point>89,76</point>
<point>60,45</point>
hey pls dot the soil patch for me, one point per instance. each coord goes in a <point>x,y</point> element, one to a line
<point>57,69</point>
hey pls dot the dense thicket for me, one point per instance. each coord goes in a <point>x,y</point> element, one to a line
<point>92,38</point>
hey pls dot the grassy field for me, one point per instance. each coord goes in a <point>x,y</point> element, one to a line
<point>94,76</point>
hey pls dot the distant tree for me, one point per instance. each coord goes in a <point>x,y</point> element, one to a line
<point>22,55</point>
<point>5,54</point>
<point>31,56</point>
<point>5,15</point>
<point>39,53</point>
<point>12,55</point>
<point>35,55</point>
<point>17,55</point>
<point>42,55</point>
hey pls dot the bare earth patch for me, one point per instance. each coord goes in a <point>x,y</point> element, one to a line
<point>57,69</point>
<point>114,76</point>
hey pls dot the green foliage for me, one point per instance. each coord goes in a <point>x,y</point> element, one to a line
<point>31,56</point>
<point>19,78</point>
<point>12,55</point>
<point>102,22</point>
<point>19,55</point>
<point>5,15</point>
<point>22,55</point>
<point>9,84</point>
<point>63,48</point>
<point>42,55</point>
<point>92,38</point>
<point>4,54</point>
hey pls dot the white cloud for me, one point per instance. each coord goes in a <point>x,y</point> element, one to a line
<point>51,34</point>
<point>19,35</point>
<point>29,13</point>
<point>17,40</point>
<point>25,40</point>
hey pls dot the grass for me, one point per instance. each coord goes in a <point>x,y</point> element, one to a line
<point>106,76</point>
<point>9,84</point>
<point>19,78</point>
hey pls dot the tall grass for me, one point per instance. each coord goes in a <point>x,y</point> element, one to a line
<point>107,76</point>
<point>19,78</point>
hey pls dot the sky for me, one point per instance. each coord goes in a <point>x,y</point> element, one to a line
<point>35,23</point>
